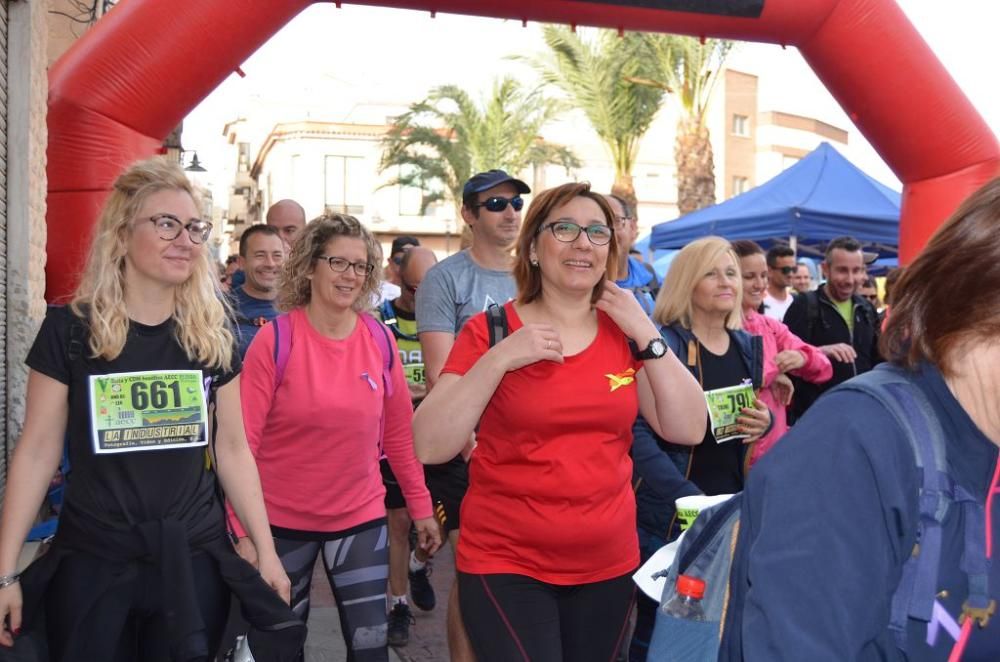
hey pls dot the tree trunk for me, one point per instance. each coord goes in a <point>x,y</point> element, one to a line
<point>623,189</point>
<point>695,167</point>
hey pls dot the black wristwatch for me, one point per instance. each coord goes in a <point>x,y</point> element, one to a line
<point>656,349</point>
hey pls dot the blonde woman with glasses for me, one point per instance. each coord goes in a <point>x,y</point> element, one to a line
<point>140,374</point>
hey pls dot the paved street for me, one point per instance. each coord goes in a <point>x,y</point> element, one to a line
<point>428,639</point>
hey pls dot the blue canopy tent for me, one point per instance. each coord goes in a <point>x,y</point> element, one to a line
<point>821,197</point>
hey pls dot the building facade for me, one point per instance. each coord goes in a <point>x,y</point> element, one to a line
<point>333,165</point>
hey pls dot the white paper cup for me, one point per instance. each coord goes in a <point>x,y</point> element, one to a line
<point>688,507</point>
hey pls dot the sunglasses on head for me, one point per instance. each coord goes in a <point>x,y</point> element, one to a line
<point>499,203</point>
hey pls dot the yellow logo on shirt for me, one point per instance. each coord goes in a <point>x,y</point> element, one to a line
<point>621,379</point>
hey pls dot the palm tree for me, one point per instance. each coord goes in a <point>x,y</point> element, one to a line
<point>594,71</point>
<point>689,68</point>
<point>443,140</point>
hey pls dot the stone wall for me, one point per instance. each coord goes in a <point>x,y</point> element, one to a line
<point>27,88</point>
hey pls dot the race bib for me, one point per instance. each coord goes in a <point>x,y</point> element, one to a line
<point>724,405</point>
<point>414,373</point>
<point>147,411</point>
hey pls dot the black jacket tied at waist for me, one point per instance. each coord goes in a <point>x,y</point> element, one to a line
<point>275,632</point>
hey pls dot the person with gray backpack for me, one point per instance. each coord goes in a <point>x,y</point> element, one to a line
<point>867,534</point>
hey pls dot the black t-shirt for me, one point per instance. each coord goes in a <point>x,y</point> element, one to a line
<point>718,468</point>
<point>120,490</point>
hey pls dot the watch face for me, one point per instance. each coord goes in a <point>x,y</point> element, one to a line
<point>657,347</point>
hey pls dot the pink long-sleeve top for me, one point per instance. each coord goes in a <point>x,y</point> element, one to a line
<point>315,438</point>
<point>777,338</point>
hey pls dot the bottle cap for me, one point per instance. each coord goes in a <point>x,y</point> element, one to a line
<point>692,587</point>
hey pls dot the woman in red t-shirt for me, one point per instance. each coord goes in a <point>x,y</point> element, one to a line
<point>548,525</point>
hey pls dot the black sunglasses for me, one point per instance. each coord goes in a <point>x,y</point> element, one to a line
<point>499,203</point>
<point>788,271</point>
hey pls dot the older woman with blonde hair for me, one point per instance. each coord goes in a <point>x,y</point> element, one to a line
<point>133,374</point>
<point>548,543</point>
<point>699,313</point>
<point>323,395</point>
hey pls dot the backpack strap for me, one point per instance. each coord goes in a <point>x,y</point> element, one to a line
<point>381,337</point>
<point>916,594</point>
<point>282,346</point>
<point>496,322</point>
<point>757,361</point>
<point>812,311</point>
<point>77,336</point>
<point>389,317</point>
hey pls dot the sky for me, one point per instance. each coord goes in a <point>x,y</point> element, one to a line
<point>326,58</point>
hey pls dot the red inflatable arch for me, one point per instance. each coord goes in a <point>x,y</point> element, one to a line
<point>120,89</point>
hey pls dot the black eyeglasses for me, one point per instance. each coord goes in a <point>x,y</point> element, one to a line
<point>788,271</point>
<point>341,265</point>
<point>169,227</point>
<point>623,220</point>
<point>566,232</point>
<point>499,203</point>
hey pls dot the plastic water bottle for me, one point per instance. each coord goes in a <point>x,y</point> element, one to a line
<point>686,603</point>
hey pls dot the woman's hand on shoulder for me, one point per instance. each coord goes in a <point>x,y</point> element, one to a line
<point>273,573</point>
<point>10,613</point>
<point>625,311</point>
<point>529,344</point>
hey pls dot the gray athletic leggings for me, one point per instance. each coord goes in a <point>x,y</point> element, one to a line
<point>357,566</point>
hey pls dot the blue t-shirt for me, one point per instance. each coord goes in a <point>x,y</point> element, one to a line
<point>251,314</point>
<point>641,282</point>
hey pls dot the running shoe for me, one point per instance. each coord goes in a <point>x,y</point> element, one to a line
<point>400,619</point>
<point>421,590</point>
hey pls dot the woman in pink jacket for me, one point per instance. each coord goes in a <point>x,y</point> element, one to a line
<point>784,352</point>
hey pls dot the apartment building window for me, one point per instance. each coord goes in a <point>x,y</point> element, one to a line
<point>741,125</point>
<point>244,157</point>
<point>740,185</point>
<point>344,190</point>
<point>410,197</point>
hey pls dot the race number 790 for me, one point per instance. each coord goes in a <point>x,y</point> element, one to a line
<point>737,401</point>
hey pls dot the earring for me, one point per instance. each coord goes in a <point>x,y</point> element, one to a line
<point>534,261</point>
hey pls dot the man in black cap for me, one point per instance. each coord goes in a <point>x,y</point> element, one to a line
<point>453,291</point>
<point>390,289</point>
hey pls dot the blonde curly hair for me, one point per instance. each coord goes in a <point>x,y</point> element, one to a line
<point>199,312</point>
<point>295,287</point>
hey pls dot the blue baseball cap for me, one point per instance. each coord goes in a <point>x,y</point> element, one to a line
<point>487,180</point>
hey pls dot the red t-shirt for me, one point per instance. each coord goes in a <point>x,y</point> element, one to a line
<point>550,492</point>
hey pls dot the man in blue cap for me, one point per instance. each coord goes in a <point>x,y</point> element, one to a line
<point>453,291</point>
